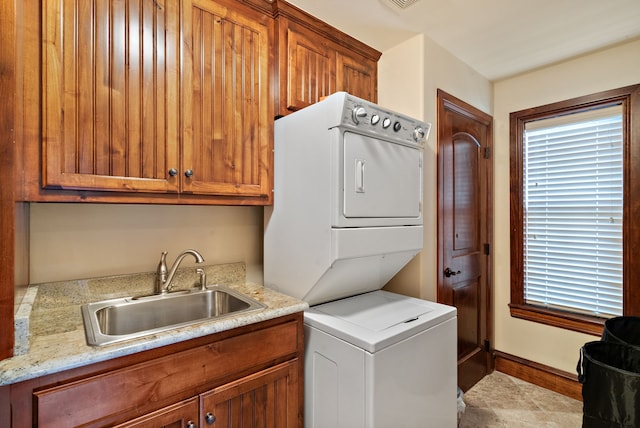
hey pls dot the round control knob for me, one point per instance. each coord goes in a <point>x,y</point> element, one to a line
<point>358,112</point>
<point>375,119</point>
<point>397,126</point>
<point>386,122</point>
<point>418,134</point>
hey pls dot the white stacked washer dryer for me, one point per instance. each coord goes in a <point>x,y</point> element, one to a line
<point>347,216</point>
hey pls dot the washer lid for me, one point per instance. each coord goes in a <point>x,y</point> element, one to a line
<point>376,320</point>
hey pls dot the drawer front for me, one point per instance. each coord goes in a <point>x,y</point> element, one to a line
<point>175,416</point>
<point>141,385</point>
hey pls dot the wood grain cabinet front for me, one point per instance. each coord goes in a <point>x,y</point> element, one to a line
<point>157,96</point>
<point>179,415</point>
<point>357,75</point>
<point>263,399</point>
<point>316,60</point>
<point>249,376</point>
<point>227,113</point>
<point>308,65</point>
<point>111,95</point>
<point>168,101</point>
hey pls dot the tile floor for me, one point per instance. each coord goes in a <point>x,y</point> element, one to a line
<point>503,401</point>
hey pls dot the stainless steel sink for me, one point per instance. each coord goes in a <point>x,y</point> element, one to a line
<point>127,318</point>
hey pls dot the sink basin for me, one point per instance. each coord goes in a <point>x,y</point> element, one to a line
<point>127,318</point>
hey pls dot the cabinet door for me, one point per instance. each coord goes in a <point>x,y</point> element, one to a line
<point>180,415</point>
<point>310,69</point>
<point>110,79</point>
<point>227,115</point>
<point>265,399</point>
<point>357,76</point>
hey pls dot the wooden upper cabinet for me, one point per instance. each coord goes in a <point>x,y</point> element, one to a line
<point>110,99</point>
<point>157,97</point>
<point>357,75</point>
<point>316,60</point>
<point>310,68</point>
<point>169,101</point>
<point>227,112</point>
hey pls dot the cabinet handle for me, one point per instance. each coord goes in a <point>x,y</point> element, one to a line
<point>173,172</point>
<point>190,424</point>
<point>188,173</point>
<point>210,418</point>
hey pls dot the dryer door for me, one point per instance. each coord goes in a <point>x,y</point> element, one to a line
<point>381,179</point>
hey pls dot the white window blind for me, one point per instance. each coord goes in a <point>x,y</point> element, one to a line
<point>573,199</point>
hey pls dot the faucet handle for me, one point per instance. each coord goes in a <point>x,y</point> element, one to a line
<point>161,273</point>
<point>203,278</point>
<point>162,266</point>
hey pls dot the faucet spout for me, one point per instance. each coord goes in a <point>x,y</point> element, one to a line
<point>164,278</point>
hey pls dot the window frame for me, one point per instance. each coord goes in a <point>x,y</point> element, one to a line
<point>629,98</point>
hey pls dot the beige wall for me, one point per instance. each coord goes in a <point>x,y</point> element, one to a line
<point>409,76</point>
<point>73,241</point>
<point>604,70</point>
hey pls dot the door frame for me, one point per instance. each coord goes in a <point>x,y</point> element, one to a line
<point>447,102</point>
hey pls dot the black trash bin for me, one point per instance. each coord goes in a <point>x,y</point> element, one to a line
<point>610,377</point>
<point>624,330</point>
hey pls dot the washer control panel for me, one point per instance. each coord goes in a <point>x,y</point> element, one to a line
<point>370,118</point>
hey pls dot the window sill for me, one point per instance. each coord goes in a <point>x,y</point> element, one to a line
<point>555,318</point>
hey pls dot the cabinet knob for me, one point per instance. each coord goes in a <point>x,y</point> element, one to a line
<point>173,172</point>
<point>209,418</point>
<point>188,173</point>
<point>190,424</point>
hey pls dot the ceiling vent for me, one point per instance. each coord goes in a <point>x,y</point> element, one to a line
<point>400,4</point>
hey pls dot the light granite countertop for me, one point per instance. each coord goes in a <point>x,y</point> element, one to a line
<point>50,333</point>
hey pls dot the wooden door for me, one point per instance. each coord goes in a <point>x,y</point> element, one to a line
<point>309,69</point>
<point>357,76</point>
<point>110,97</point>
<point>464,230</point>
<point>265,399</point>
<point>227,115</point>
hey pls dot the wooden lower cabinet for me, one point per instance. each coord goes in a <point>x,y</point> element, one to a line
<point>264,399</point>
<point>260,400</point>
<point>179,415</point>
<point>248,376</point>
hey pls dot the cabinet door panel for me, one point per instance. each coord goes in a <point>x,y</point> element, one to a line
<point>226,104</point>
<point>179,415</point>
<point>110,94</point>
<point>357,76</point>
<point>310,74</point>
<point>265,399</point>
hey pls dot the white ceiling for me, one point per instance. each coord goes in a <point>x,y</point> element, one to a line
<point>498,38</point>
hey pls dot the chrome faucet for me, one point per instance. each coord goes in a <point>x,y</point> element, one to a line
<point>163,279</point>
